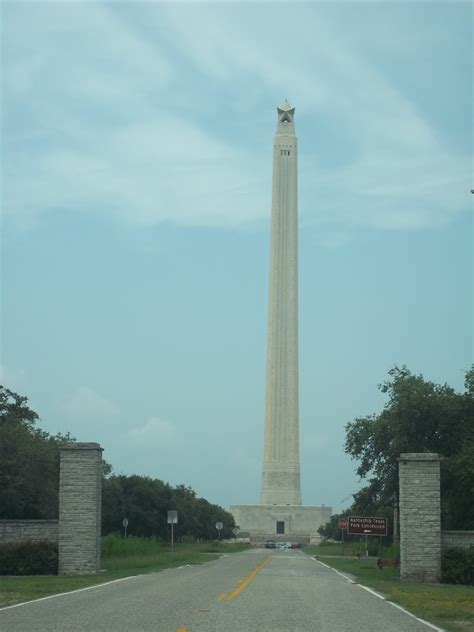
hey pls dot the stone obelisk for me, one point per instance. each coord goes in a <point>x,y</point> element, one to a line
<point>281,464</point>
<point>280,513</point>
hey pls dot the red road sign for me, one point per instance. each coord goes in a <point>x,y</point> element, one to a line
<point>367,525</point>
<point>342,523</point>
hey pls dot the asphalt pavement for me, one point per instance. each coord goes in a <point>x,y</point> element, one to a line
<point>256,590</point>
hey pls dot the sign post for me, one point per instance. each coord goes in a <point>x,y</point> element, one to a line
<point>219,526</point>
<point>395,520</point>
<point>342,527</point>
<point>235,531</point>
<point>125,525</point>
<point>172,520</point>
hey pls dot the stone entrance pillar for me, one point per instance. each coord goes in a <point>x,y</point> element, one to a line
<point>420,517</point>
<point>80,501</point>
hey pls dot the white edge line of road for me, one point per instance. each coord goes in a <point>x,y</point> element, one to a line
<point>322,563</point>
<point>372,592</point>
<point>70,592</point>
<point>346,577</point>
<point>376,594</point>
<point>431,625</point>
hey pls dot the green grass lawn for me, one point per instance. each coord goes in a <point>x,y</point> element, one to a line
<point>121,558</point>
<point>448,606</point>
<point>351,548</point>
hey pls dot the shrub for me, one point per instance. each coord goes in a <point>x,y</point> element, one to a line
<point>29,558</point>
<point>457,566</point>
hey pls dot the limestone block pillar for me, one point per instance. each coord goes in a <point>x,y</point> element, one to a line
<point>80,501</point>
<point>420,517</point>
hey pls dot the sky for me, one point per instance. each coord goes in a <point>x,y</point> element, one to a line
<point>136,194</point>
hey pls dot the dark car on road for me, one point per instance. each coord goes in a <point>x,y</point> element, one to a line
<point>270,544</point>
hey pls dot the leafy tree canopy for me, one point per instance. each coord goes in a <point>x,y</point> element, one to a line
<point>29,461</point>
<point>29,484</point>
<point>419,416</point>
<point>145,502</point>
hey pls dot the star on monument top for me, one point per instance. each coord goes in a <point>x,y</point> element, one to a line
<point>285,112</point>
<point>285,106</point>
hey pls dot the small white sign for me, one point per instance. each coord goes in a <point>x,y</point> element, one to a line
<point>172,516</point>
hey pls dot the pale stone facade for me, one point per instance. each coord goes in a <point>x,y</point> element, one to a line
<point>458,539</point>
<point>420,517</point>
<point>280,512</point>
<point>15,531</point>
<point>282,522</point>
<point>80,502</point>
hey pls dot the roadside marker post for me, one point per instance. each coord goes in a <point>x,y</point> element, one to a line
<point>172,520</point>
<point>342,527</point>
<point>125,525</point>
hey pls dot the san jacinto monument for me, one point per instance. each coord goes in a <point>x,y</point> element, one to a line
<point>280,511</point>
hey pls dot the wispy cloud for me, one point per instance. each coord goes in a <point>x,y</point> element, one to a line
<point>402,175</point>
<point>85,404</point>
<point>155,432</point>
<point>124,110</point>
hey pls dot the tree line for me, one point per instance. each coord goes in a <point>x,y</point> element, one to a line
<point>29,484</point>
<point>145,502</point>
<point>419,416</point>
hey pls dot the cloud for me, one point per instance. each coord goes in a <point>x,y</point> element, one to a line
<point>86,404</point>
<point>170,170</point>
<point>96,141</point>
<point>402,174</point>
<point>155,432</point>
<point>127,110</point>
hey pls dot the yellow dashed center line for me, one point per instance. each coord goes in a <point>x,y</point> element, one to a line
<point>235,593</point>
<point>242,584</point>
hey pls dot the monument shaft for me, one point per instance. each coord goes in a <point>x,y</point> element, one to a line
<point>281,466</point>
<point>280,514</point>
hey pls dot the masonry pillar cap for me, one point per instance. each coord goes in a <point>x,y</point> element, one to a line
<point>81,446</point>
<point>420,456</point>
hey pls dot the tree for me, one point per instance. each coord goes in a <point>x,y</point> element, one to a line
<point>29,461</point>
<point>420,416</point>
<point>145,502</point>
<point>331,530</point>
<point>29,484</point>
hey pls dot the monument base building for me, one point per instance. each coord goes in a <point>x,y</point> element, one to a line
<point>285,523</point>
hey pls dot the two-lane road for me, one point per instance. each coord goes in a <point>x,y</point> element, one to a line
<point>256,590</point>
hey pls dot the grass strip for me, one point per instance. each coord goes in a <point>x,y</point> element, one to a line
<point>20,589</point>
<point>122,561</point>
<point>450,607</point>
